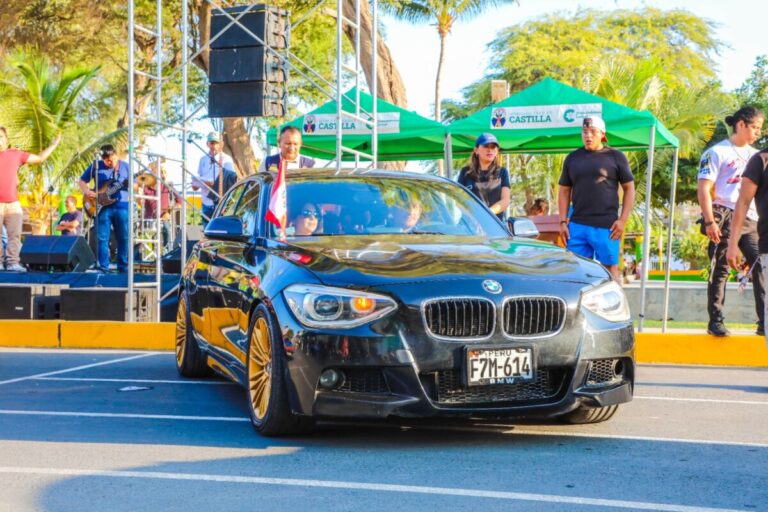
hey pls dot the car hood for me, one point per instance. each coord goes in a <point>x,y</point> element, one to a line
<point>364,261</point>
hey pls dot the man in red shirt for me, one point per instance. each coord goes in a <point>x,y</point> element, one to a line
<point>11,214</point>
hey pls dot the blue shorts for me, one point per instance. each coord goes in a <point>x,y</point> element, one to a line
<point>595,243</point>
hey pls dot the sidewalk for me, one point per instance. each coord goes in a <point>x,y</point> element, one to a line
<point>676,346</point>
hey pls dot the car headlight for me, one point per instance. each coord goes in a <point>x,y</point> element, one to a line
<point>334,308</point>
<point>607,301</point>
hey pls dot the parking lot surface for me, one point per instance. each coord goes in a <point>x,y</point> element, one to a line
<point>120,431</point>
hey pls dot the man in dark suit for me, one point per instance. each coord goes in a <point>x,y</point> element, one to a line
<point>290,146</point>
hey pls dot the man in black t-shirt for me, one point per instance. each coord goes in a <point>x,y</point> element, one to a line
<point>590,181</point>
<point>754,185</point>
<point>71,221</point>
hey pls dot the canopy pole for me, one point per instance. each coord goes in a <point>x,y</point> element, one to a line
<point>448,155</point>
<point>646,227</point>
<point>667,268</point>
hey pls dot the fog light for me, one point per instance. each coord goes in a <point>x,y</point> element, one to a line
<point>330,379</point>
<point>618,368</point>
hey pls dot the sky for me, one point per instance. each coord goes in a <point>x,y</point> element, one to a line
<point>741,26</point>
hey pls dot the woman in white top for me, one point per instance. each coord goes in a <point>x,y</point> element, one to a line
<point>718,190</point>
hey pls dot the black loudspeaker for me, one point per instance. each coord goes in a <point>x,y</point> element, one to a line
<point>268,23</point>
<point>250,99</point>
<point>171,262</point>
<point>248,64</point>
<point>247,76</point>
<point>30,302</point>
<point>108,304</point>
<point>56,253</point>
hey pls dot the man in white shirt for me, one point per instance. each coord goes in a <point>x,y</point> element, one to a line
<point>719,184</point>
<point>290,146</point>
<point>207,170</point>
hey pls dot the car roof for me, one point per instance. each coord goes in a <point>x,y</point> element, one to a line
<point>347,173</point>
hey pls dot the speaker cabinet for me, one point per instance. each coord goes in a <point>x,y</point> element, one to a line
<point>248,64</point>
<point>247,99</point>
<point>268,23</point>
<point>108,304</point>
<point>56,253</point>
<point>171,262</point>
<point>30,302</point>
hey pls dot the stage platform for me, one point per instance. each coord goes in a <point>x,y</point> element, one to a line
<point>100,280</point>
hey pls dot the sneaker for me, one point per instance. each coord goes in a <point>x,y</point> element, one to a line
<point>16,268</point>
<point>760,331</point>
<point>717,329</point>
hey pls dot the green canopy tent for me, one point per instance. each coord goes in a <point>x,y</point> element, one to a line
<point>403,135</point>
<point>546,118</point>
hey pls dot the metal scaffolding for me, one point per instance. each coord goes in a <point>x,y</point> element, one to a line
<point>140,160</point>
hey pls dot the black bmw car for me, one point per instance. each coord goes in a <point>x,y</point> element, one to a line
<point>394,294</point>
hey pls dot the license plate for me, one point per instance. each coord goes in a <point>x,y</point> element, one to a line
<point>487,366</point>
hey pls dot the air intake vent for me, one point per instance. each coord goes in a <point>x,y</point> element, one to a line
<point>460,318</point>
<point>451,389</point>
<point>533,316</point>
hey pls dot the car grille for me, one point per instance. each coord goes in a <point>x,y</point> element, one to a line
<point>533,316</point>
<point>460,318</point>
<point>450,388</point>
<point>364,380</point>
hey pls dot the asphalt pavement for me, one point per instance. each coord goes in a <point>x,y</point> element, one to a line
<point>120,431</point>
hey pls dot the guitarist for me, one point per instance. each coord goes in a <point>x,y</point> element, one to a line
<point>109,174</point>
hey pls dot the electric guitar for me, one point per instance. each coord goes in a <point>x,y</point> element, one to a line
<point>108,193</point>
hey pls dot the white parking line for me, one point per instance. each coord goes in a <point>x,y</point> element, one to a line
<point>122,415</point>
<point>377,487</point>
<point>142,381</point>
<point>76,368</point>
<point>533,432</point>
<point>707,400</point>
<point>501,429</point>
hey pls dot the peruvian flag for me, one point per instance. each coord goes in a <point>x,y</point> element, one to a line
<point>278,203</point>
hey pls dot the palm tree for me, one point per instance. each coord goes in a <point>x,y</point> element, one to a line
<point>35,104</point>
<point>444,13</point>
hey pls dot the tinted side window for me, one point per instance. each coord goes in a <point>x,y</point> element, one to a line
<point>248,209</point>
<point>230,200</point>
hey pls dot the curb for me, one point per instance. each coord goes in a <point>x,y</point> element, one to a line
<point>668,348</point>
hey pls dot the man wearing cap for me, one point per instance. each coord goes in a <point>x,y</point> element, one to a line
<point>207,172</point>
<point>485,177</point>
<point>290,145</point>
<point>590,182</point>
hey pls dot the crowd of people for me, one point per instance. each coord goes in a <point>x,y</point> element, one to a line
<point>595,199</point>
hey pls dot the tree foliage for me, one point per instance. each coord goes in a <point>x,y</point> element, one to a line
<point>568,47</point>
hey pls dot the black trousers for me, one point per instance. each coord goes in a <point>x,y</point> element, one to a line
<point>719,269</point>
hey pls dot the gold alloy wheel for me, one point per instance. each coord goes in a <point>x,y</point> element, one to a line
<point>260,368</point>
<point>181,332</point>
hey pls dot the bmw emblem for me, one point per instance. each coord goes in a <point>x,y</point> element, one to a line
<point>492,286</point>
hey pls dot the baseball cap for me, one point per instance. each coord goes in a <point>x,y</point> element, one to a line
<point>596,122</point>
<point>486,138</point>
<point>214,137</point>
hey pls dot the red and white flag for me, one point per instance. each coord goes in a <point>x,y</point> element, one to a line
<point>277,213</point>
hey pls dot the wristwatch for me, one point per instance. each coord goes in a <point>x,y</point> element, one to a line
<point>707,224</point>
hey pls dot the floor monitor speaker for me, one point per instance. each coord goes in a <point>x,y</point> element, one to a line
<point>58,253</point>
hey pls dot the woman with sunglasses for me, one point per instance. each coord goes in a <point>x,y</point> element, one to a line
<point>306,220</point>
<point>485,177</point>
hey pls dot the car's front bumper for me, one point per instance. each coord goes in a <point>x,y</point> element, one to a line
<point>391,370</point>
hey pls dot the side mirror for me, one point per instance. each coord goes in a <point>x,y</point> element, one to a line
<point>522,227</point>
<point>229,227</point>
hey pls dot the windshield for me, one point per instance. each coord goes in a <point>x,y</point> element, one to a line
<point>369,206</point>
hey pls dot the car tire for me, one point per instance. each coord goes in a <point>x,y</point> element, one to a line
<point>190,360</point>
<point>266,391</point>
<point>584,415</point>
